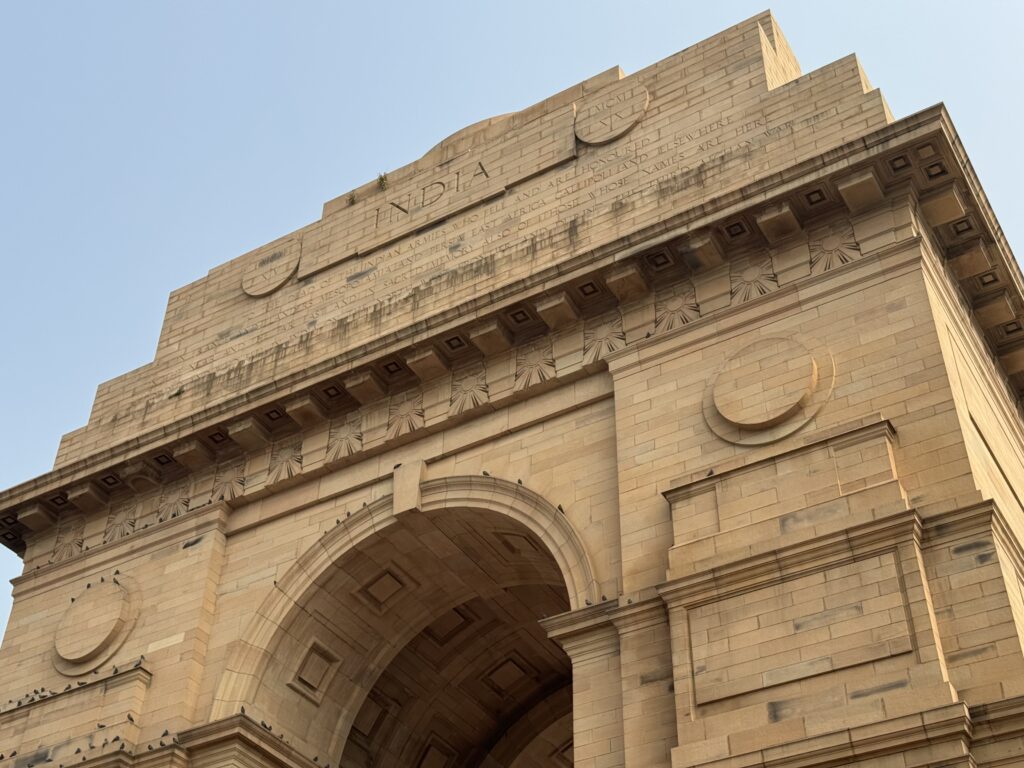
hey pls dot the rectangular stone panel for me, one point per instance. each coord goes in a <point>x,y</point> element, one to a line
<point>840,617</point>
<point>833,482</point>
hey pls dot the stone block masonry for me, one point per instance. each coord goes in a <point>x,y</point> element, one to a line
<point>673,421</point>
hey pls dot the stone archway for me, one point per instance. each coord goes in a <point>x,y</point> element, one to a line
<point>409,634</point>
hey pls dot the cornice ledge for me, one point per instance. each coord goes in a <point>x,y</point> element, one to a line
<point>793,560</point>
<point>584,620</point>
<point>240,733</point>
<point>949,724</point>
<point>197,522</point>
<point>833,160</point>
<point>123,677</point>
<point>837,436</point>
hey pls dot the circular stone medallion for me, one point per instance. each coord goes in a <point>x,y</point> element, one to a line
<point>765,383</point>
<point>768,390</point>
<point>94,627</point>
<point>270,268</point>
<point>611,112</point>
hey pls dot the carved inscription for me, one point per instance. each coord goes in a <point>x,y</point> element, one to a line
<point>270,268</point>
<point>435,193</point>
<point>531,224</point>
<point>611,112</point>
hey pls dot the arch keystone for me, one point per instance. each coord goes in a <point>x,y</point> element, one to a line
<point>406,493</point>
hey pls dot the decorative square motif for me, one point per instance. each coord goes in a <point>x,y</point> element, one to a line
<point>384,587</point>
<point>449,624</point>
<point>381,590</point>
<point>534,364</point>
<point>602,336</point>
<point>516,543</point>
<point>345,437</point>
<point>736,229</point>
<point>469,389</point>
<point>832,246</point>
<point>899,163</point>
<point>519,316</point>
<point>658,261</point>
<point>370,717</point>
<point>814,197</point>
<point>506,675</point>
<point>563,754</point>
<point>285,460</point>
<point>675,307</point>
<point>405,414</point>
<point>314,669</point>
<point>963,226</point>
<point>751,278</point>
<point>438,754</point>
<point>314,673</point>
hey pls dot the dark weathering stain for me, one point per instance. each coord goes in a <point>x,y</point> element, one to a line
<point>893,686</point>
<point>973,546</point>
<point>357,276</point>
<point>656,677</point>
<point>779,710</point>
<point>970,652</point>
<point>828,617</point>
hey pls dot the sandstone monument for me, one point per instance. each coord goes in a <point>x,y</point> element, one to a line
<point>673,421</point>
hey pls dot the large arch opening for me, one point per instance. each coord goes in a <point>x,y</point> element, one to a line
<point>413,639</point>
<point>479,683</point>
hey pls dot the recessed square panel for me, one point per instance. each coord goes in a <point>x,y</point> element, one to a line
<point>383,588</point>
<point>314,673</point>
<point>8,536</point>
<point>516,543</point>
<point>1012,327</point>
<point>58,500</point>
<point>218,437</point>
<point>392,368</point>
<point>658,260</point>
<point>925,151</point>
<point>314,669</point>
<point>438,754</point>
<point>899,163</point>
<point>935,170</point>
<point>162,459</point>
<point>814,197</point>
<point>331,391</point>
<point>963,226</point>
<point>563,754</point>
<point>519,316</point>
<point>506,675</point>
<point>455,343</point>
<point>109,480</point>
<point>274,414</point>
<point>369,718</point>
<point>448,625</point>
<point>736,229</point>
<point>989,278</point>
<point>589,289</point>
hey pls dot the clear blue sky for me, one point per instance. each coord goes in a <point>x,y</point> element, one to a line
<point>142,143</point>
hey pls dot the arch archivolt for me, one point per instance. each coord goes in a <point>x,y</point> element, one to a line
<point>362,594</point>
